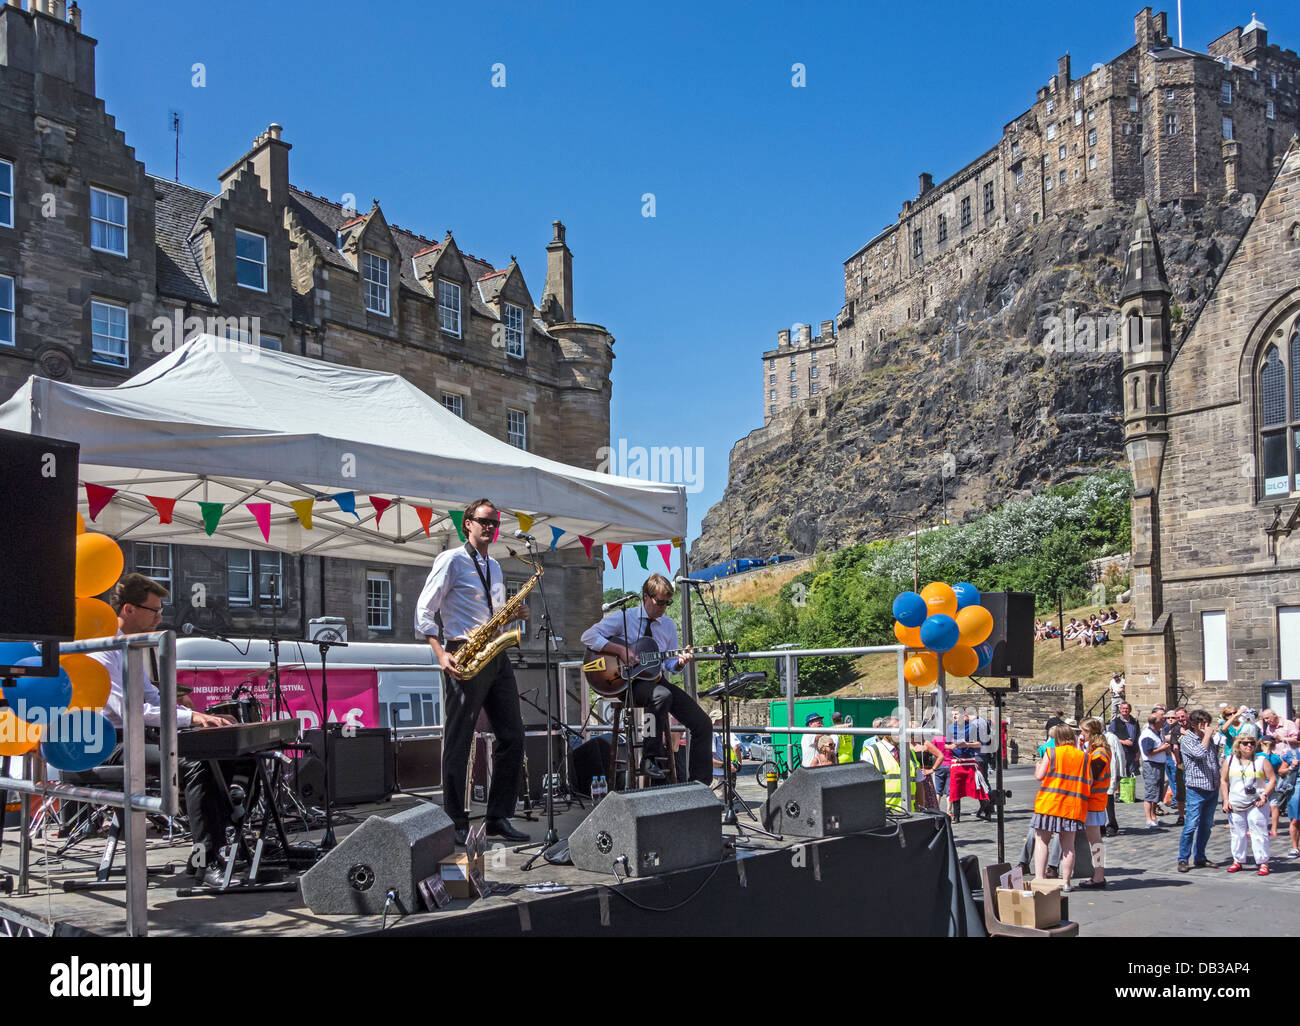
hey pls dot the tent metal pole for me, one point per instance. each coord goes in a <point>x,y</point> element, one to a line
<point>688,634</point>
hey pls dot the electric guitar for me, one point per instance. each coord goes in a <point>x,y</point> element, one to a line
<point>609,676</point>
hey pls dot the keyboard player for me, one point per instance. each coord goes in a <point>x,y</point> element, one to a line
<point>138,601</point>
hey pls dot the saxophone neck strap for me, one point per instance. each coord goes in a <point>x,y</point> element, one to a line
<point>485,578</point>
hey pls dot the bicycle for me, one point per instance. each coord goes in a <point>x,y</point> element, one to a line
<point>776,765</point>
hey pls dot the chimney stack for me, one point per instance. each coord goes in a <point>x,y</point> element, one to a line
<point>270,159</point>
<point>559,273</point>
<point>926,183</point>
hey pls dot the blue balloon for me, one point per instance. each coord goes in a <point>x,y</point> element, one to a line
<point>78,740</point>
<point>910,609</point>
<point>985,652</point>
<point>39,699</point>
<point>967,595</point>
<point>939,633</point>
<point>13,651</point>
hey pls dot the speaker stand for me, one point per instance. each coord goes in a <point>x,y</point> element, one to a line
<point>997,795</point>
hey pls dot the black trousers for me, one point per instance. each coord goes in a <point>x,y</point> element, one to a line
<point>494,692</point>
<point>661,700</point>
<point>205,806</point>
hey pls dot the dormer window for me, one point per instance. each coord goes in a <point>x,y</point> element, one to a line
<point>107,222</point>
<point>449,307</point>
<point>250,260</point>
<point>514,322</point>
<point>374,270</point>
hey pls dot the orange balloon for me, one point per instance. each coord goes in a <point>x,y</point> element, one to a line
<point>939,598</point>
<point>99,564</point>
<point>81,525</point>
<point>921,672</point>
<point>90,683</point>
<point>974,625</point>
<point>961,661</point>
<point>17,737</point>
<point>909,636</point>
<point>95,619</point>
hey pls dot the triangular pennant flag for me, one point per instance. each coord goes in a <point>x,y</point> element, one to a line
<point>666,550</point>
<point>642,554</point>
<point>380,506</point>
<point>303,508</point>
<point>556,535</point>
<point>458,518</point>
<point>347,502</point>
<point>677,543</point>
<point>164,508</point>
<point>262,514</point>
<point>425,513</point>
<point>586,544</point>
<point>97,497</point>
<point>211,514</point>
<point>613,550</point>
<point>525,522</point>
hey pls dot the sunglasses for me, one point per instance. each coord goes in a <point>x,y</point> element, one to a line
<point>486,521</point>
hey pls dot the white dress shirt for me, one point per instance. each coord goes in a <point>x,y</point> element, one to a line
<point>112,662</point>
<point>455,589</point>
<point>663,632</point>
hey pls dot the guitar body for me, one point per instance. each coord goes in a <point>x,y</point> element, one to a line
<point>607,674</point>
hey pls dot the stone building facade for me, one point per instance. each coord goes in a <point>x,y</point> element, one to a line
<point>1211,428</point>
<point>1158,122</point>
<point>104,268</point>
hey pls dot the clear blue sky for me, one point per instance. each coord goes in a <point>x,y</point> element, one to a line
<point>761,189</point>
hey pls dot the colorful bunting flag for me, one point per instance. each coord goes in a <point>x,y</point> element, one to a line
<point>97,497</point>
<point>425,513</point>
<point>677,543</point>
<point>458,518</point>
<point>613,550</point>
<point>262,514</point>
<point>525,522</point>
<point>347,502</point>
<point>642,554</point>
<point>666,550</point>
<point>586,544</point>
<point>163,506</point>
<point>381,505</point>
<point>211,512</point>
<point>556,535</point>
<point>303,508</point>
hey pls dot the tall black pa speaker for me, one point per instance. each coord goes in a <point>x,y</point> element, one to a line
<point>1013,633</point>
<point>651,831</point>
<point>378,856</point>
<point>38,508</point>
<point>362,765</point>
<point>826,801</point>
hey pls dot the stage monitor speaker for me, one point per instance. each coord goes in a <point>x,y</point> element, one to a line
<point>652,831</point>
<point>378,856</point>
<point>362,764</point>
<point>590,759</point>
<point>1013,633</point>
<point>827,801</point>
<point>38,508</point>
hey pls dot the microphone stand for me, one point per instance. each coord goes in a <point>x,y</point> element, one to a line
<point>327,842</point>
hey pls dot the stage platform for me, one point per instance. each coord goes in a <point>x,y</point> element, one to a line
<point>899,881</point>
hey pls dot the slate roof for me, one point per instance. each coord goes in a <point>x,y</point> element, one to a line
<point>176,211</point>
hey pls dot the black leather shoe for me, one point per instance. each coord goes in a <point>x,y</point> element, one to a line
<point>502,828</point>
<point>651,769</point>
<point>215,875</point>
<point>1206,864</point>
<point>462,835</point>
<point>1091,885</point>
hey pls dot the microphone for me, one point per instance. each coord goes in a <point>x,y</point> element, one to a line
<point>617,603</point>
<point>188,629</point>
<point>524,536</point>
<point>691,580</point>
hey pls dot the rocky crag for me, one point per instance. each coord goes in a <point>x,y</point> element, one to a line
<point>964,413</point>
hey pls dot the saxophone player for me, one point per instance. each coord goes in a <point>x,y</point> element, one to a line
<point>463,590</point>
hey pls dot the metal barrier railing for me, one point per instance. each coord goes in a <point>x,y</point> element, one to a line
<point>132,799</point>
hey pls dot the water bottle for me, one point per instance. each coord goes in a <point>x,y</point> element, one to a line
<point>598,790</point>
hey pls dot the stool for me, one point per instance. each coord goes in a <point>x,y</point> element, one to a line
<point>628,720</point>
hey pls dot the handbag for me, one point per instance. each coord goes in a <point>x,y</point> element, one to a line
<point>1128,790</point>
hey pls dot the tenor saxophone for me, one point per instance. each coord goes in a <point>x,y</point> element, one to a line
<point>484,642</point>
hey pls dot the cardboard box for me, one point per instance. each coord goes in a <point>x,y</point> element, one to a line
<point>1039,907</point>
<point>455,870</point>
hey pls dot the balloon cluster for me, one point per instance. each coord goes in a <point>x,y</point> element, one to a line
<point>948,624</point>
<point>79,735</point>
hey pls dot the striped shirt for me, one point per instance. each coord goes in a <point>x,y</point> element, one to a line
<point>1201,764</point>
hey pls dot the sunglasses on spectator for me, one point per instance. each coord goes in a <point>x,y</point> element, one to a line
<point>486,521</point>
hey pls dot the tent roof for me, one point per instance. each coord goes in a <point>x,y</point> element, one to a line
<point>217,421</point>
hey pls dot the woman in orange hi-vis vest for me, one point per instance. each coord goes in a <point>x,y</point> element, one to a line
<point>1062,803</point>
<point>1092,738</point>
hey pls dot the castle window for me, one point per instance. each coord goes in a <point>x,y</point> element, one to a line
<point>1278,418</point>
<point>1092,113</point>
<point>813,357</point>
<point>1133,103</point>
<point>880,336</point>
<point>1078,117</point>
<point>108,334</point>
<point>517,428</point>
<point>1062,177</point>
<point>1133,76</point>
<point>1047,160</point>
<point>250,260</point>
<point>1227,128</point>
<point>374,270</point>
<point>792,359</point>
<point>771,379</point>
<point>1020,174</point>
<point>794,391</point>
<point>514,321</point>
<point>1051,106</point>
<point>1047,184</point>
<point>1060,154</point>
<point>1171,124</point>
<point>449,307</point>
<point>1225,92</point>
<point>988,197</point>
<point>1015,149</point>
<point>814,388</point>
<point>943,229</point>
<point>917,244</point>
<point>814,372</point>
<point>1051,131</point>
<point>965,212</point>
<point>7,192</point>
<point>771,410</point>
<point>1169,95</point>
<point>1268,110</point>
<point>1153,392</point>
<point>7,310</point>
<point>453,403</point>
<point>1092,161</point>
<point>107,222</point>
<point>772,396</point>
<point>1017,207</point>
<point>1092,137</point>
<point>794,374</point>
<point>1078,90</point>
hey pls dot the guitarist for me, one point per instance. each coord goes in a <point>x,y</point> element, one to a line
<point>657,696</point>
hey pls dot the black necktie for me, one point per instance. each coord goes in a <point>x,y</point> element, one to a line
<point>648,623</point>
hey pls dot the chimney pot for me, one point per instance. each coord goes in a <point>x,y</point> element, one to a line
<point>59,8</point>
<point>74,15</point>
<point>275,130</point>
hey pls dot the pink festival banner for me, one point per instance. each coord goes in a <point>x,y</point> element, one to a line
<point>354,693</point>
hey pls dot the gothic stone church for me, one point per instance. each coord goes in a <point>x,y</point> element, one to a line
<point>1211,430</point>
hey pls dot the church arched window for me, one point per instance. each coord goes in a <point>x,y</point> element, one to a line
<point>1278,384</point>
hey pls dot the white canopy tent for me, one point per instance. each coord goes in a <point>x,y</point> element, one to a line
<point>217,421</point>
